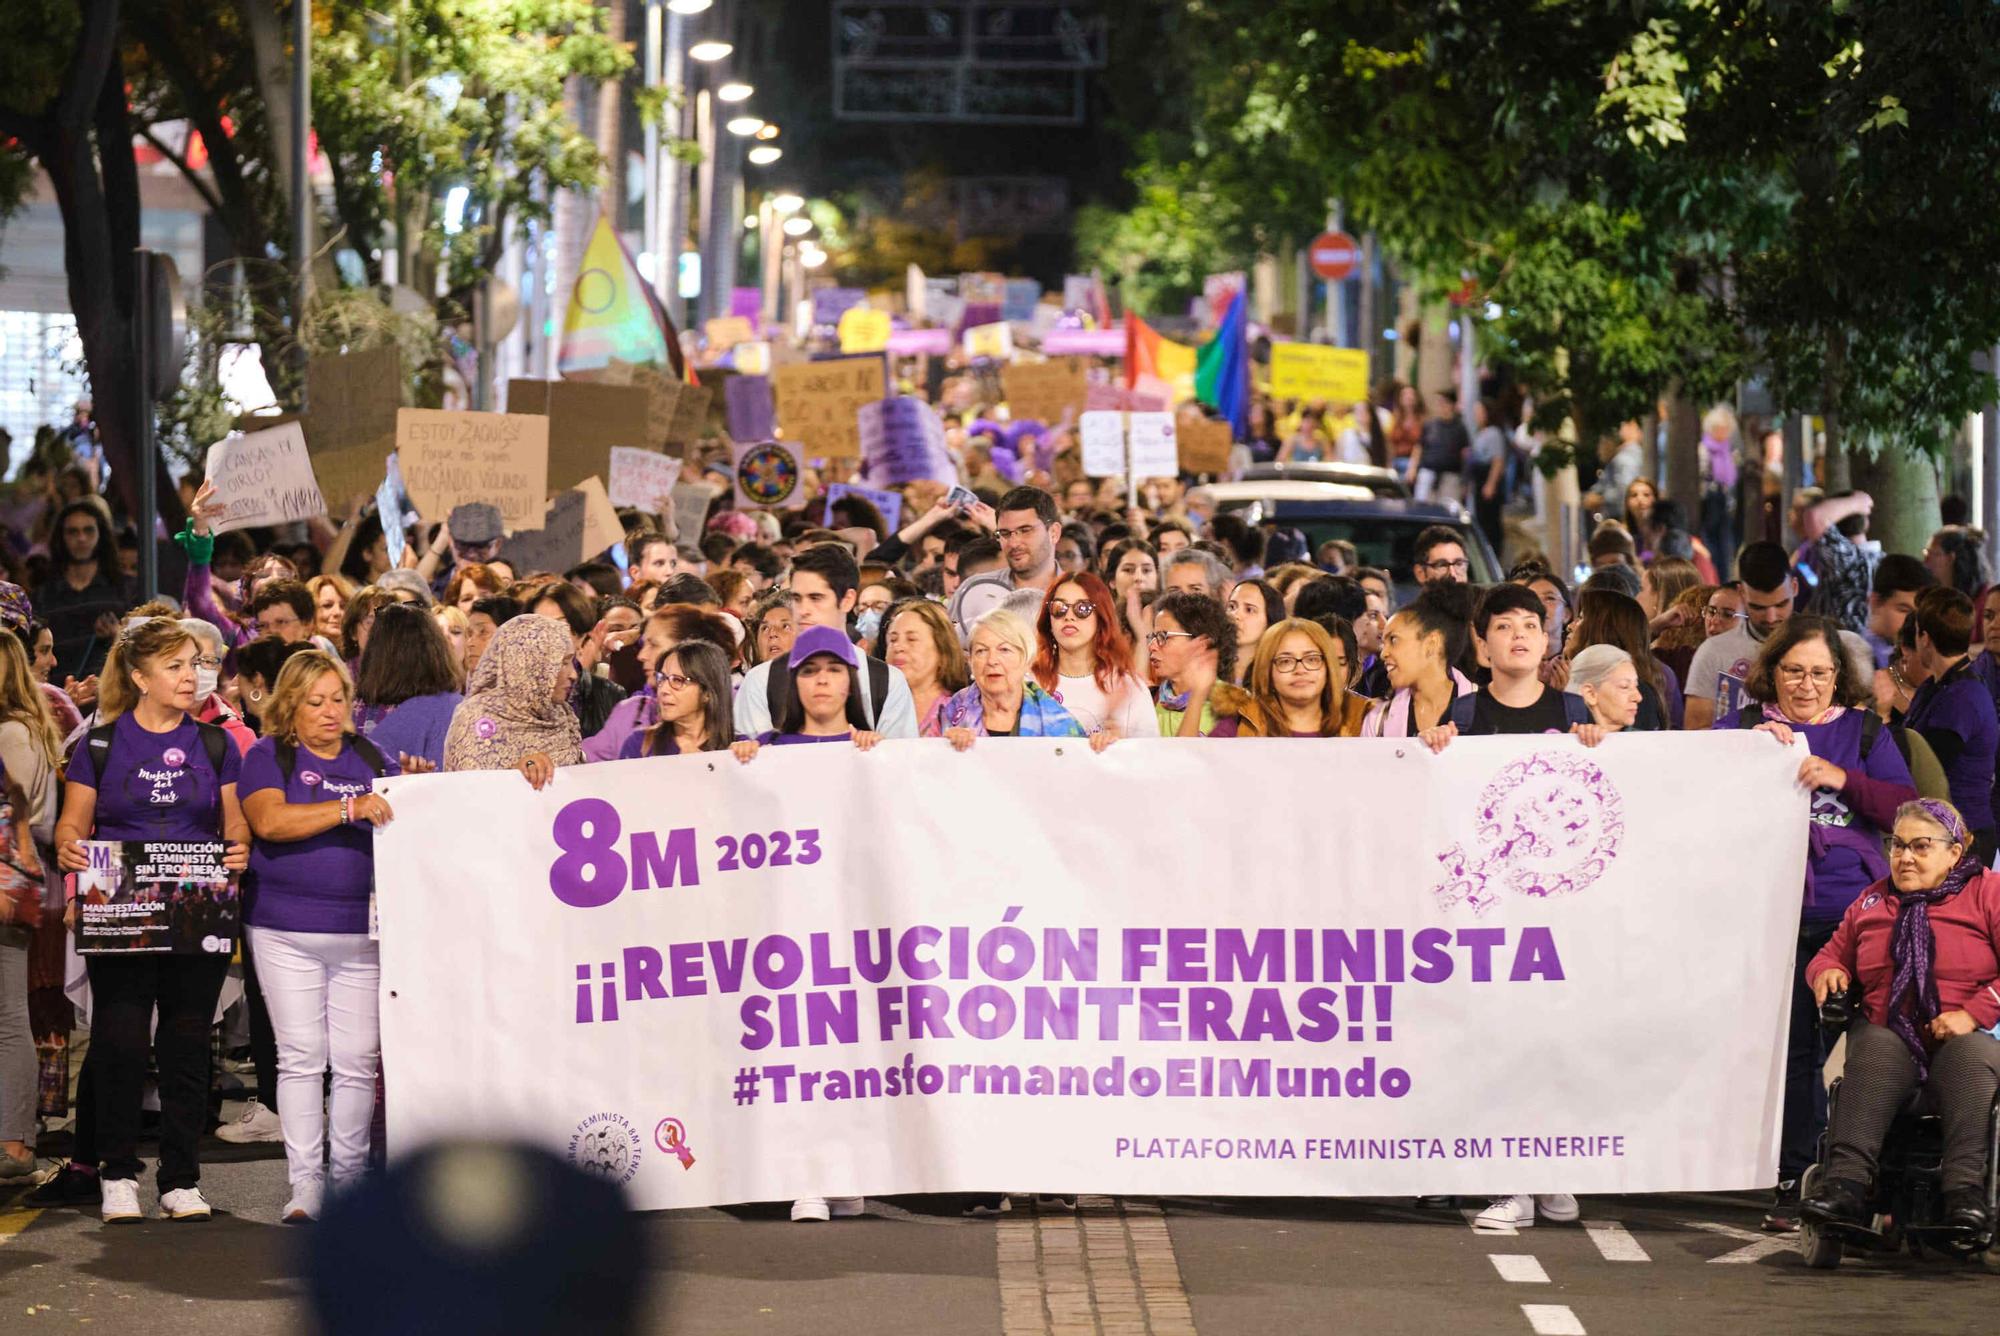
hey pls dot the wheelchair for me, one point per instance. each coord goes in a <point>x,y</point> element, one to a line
<point>1905,1206</point>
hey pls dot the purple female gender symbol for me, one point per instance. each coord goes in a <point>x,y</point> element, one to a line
<point>485,728</point>
<point>1549,825</point>
<point>173,757</point>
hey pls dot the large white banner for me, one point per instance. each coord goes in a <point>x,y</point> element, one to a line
<point>1258,967</point>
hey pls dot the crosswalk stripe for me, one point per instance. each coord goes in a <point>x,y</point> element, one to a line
<point>1552,1320</point>
<point>1518,1268</point>
<point>1614,1241</point>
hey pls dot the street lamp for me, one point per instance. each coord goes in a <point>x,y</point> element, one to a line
<point>709,51</point>
<point>735,92</point>
<point>764,155</point>
<point>688,6</point>
<point>798,225</point>
<point>744,126</point>
<point>787,203</point>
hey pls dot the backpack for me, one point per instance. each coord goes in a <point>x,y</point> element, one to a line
<point>1575,710</point>
<point>288,756</point>
<point>215,741</point>
<point>1871,729</point>
<point>778,692</point>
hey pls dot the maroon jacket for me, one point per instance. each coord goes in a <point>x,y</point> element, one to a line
<point>1967,962</point>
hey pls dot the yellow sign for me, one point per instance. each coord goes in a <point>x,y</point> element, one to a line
<point>818,401</point>
<point>863,329</point>
<point>725,332</point>
<point>1315,371</point>
<point>995,341</point>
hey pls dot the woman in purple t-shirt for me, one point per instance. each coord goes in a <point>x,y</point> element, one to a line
<point>162,776</point>
<point>307,791</point>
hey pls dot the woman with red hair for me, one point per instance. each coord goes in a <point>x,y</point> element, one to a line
<point>1083,656</point>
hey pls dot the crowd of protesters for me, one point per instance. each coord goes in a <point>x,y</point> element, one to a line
<point>258,707</point>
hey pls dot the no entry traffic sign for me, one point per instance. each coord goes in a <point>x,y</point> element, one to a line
<point>1334,255</point>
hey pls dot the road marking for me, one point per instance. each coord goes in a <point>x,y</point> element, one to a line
<point>1471,1214</point>
<point>17,1220</point>
<point>1110,1266</point>
<point>1552,1320</point>
<point>1760,1245</point>
<point>1615,1241</point>
<point>1518,1268</point>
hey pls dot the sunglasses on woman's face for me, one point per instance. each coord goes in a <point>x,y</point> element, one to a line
<point>1082,609</point>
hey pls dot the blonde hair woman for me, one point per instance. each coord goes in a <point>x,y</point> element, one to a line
<point>330,595</point>
<point>918,642</point>
<point>1003,700</point>
<point>149,771</point>
<point>30,749</point>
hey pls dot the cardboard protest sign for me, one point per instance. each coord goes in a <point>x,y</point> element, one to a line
<point>902,440</point>
<point>691,503</point>
<point>642,479</point>
<point>863,329</point>
<point>663,398</point>
<point>726,331</point>
<point>352,471</point>
<point>264,478</point>
<point>584,421</point>
<point>748,408</point>
<point>889,503</point>
<point>613,372</point>
<point>1314,371</point>
<point>1041,391</point>
<point>817,402</point>
<point>451,458</point>
<point>352,398</point>
<point>1150,437</point>
<point>769,474</point>
<point>1205,446</point>
<point>994,341</point>
<point>690,415</point>
<point>1101,436</point>
<point>601,525</point>
<point>557,545</point>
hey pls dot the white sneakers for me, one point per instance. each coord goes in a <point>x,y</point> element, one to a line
<point>1518,1211</point>
<point>121,1203</point>
<point>807,1210</point>
<point>307,1198</point>
<point>255,1123</point>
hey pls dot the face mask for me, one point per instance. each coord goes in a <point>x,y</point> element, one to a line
<point>205,680</point>
<point>868,624</point>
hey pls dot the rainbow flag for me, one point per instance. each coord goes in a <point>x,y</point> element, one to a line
<point>1147,353</point>
<point>613,313</point>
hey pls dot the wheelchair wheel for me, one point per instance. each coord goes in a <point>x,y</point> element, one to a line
<point>1817,1249</point>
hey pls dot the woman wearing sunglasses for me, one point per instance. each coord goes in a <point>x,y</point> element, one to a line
<point>1084,660</point>
<point>691,688</point>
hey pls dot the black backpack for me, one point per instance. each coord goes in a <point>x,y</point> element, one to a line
<point>288,756</point>
<point>778,693</point>
<point>1871,729</point>
<point>215,741</point>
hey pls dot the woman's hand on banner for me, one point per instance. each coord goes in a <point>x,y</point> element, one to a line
<point>960,738</point>
<point>1782,732</point>
<point>1439,737</point>
<point>1590,734</point>
<point>537,769</point>
<point>865,741</point>
<point>744,751</point>
<point>1103,738</point>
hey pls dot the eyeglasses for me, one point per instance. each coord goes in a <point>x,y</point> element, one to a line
<point>1722,614</point>
<point>1459,567</point>
<point>208,661</point>
<point>1158,639</point>
<point>1792,675</point>
<point>1081,609</point>
<point>1920,846</point>
<point>1009,535</point>
<point>674,681</point>
<point>1286,663</point>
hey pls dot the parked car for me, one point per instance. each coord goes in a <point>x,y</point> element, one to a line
<point>1380,481</point>
<point>1383,529</point>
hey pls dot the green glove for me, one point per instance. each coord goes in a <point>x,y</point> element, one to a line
<point>200,547</point>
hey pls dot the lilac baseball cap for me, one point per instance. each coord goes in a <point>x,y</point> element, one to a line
<point>824,640</point>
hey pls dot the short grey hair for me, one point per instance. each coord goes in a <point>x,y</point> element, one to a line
<point>207,632</point>
<point>1215,572</point>
<point>1591,666</point>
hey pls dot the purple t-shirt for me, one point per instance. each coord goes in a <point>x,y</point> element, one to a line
<point>417,727</point>
<point>1844,853</point>
<point>634,746</point>
<point>320,883</point>
<point>1955,715</point>
<point>156,786</point>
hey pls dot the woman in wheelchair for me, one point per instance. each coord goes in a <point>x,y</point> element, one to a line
<point>1924,946</point>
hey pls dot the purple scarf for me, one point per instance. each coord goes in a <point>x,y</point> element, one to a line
<point>1912,943</point>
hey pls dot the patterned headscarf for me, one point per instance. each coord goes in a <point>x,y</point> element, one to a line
<point>1913,990</point>
<point>510,708</point>
<point>15,610</point>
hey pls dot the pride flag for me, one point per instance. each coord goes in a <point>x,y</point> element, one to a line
<point>613,313</point>
<point>1148,354</point>
<point>1222,369</point>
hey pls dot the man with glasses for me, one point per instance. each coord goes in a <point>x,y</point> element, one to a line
<point>1722,664</point>
<point>1439,556</point>
<point>1028,526</point>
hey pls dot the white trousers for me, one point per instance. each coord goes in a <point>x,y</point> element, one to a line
<point>321,988</point>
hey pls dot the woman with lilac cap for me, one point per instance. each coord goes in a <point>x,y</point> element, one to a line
<point>1924,947</point>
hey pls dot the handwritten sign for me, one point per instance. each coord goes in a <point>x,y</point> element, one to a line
<point>902,440</point>
<point>556,545</point>
<point>993,341</point>
<point>601,525</point>
<point>663,397</point>
<point>351,471</point>
<point>748,408</point>
<point>726,331</point>
<point>642,479</point>
<point>265,477</point>
<point>863,329</point>
<point>1204,446</point>
<point>690,422</point>
<point>1041,391</point>
<point>1314,371</point>
<point>1151,437</point>
<point>352,398</point>
<point>691,503</point>
<point>889,503</point>
<point>1101,435</point>
<point>585,421</point>
<point>451,458</point>
<point>770,475</point>
<point>817,402</point>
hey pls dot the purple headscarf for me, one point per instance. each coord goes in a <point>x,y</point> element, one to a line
<point>1913,991</point>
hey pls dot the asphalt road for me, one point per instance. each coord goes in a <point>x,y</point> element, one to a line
<point>1216,1267</point>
